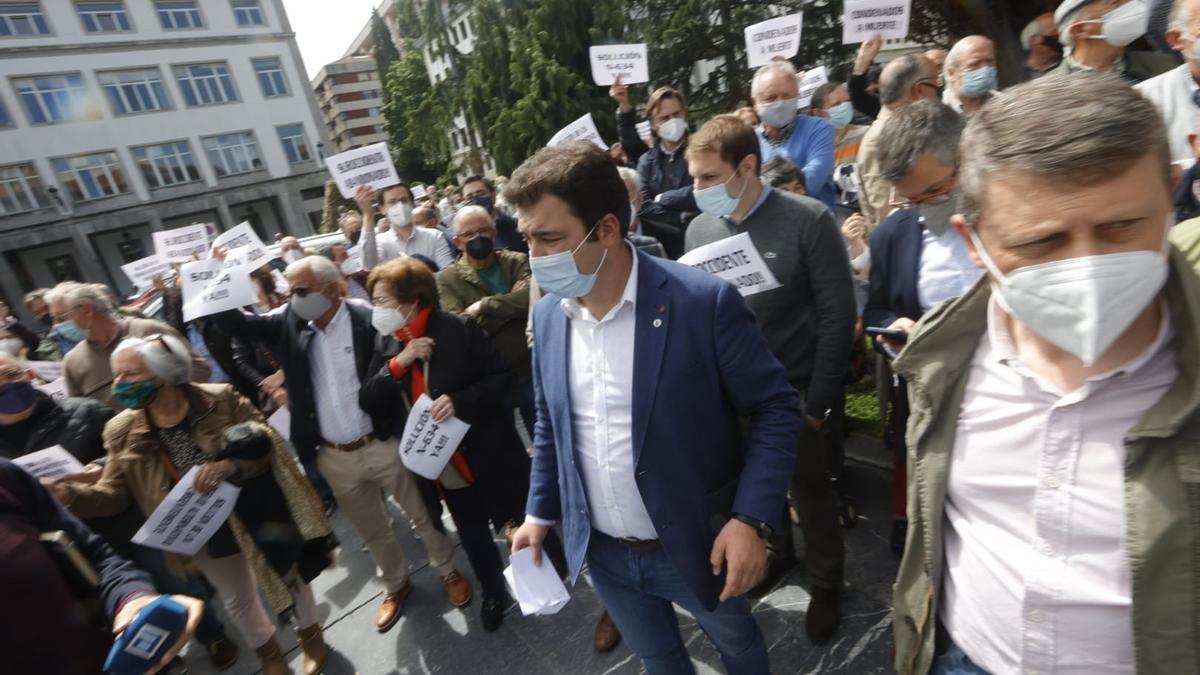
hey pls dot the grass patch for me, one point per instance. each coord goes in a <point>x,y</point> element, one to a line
<point>862,409</point>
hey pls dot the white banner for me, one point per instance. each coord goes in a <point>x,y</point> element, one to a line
<point>426,446</point>
<point>864,19</point>
<point>142,272</point>
<point>773,39</point>
<point>736,260</point>
<point>186,519</point>
<point>629,62</point>
<point>809,84</point>
<point>212,285</point>
<point>537,588</point>
<point>582,129</point>
<point>55,389</point>
<point>52,463</point>
<point>48,371</point>
<point>242,235</point>
<point>370,166</point>
<point>181,244</point>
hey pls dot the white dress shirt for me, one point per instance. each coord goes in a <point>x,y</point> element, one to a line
<point>1172,93</point>
<point>600,378</point>
<point>424,241</point>
<point>1037,578</point>
<point>946,269</point>
<point>335,380</point>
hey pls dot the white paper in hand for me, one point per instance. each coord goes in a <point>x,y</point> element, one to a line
<point>736,260</point>
<point>538,589</point>
<point>281,422</point>
<point>185,520</point>
<point>52,463</point>
<point>582,129</point>
<point>627,62</point>
<point>426,446</point>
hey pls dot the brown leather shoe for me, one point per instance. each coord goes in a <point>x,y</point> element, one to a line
<point>312,643</point>
<point>271,658</point>
<point>458,589</point>
<point>607,637</point>
<point>391,608</point>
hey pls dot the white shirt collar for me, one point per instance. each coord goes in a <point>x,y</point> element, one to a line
<point>574,310</point>
<point>342,314</point>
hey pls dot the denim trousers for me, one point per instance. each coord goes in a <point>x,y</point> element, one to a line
<point>950,659</point>
<point>639,590</point>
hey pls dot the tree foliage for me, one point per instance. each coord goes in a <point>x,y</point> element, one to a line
<point>416,117</point>
<point>384,51</point>
<point>334,206</point>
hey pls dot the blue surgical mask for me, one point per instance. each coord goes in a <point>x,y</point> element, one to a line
<point>715,200</point>
<point>976,83</point>
<point>841,114</point>
<point>558,274</point>
<point>71,331</point>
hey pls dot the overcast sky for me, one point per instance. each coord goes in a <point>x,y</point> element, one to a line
<point>325,29</point>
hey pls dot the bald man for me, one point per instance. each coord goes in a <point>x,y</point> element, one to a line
<point>971,74</point>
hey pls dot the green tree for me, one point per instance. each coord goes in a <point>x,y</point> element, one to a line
<point>334,206</point>
<point>384,51</point>
<point>417,118</point>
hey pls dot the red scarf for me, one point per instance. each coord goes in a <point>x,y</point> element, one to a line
<point>412,330</point>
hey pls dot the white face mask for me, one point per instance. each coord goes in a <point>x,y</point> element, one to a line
<point>11,346</point>
<point>1082,305</point>
<point>1124,24</point>
<point>292,256</point>
<point>400,214</point>
<point>387,321</point>
<point>672,130</point>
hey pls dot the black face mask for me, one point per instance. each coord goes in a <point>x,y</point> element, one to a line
<point>485,202</point>
<point>46,319</point>
<point>480,248</point>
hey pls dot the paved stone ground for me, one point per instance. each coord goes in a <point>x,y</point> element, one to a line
<point>433,637</point>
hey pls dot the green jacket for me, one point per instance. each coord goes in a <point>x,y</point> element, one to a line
<point>502,315</point>
<point>1162,484</point>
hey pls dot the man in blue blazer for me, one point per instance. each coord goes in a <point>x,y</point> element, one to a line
<point>643,371</point>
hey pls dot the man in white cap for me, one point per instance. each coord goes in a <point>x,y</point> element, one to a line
<point>1095,34</point>
<point>1177,92</point>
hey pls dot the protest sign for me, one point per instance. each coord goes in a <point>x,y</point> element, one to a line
<point>537,588</point>
<point>281,283</point>
<point>809,83</point>
<point>643,132</point>
<point>141,273</point>
<point>47,371</point>
<point>627,62</point>
<point>55,389</point>
<point>211,286</point>
<point>772,39</point>
<point>419,192</point>
<point>864,19</point>
<point>281,421</point>
<point>186,519</point>
<point>181,244</point>
<point>242,235</point>
<point>426,446</point>
<point>52,463</point>
<point>736,260</point>
<point>582,129</point>
<point>371,166</point>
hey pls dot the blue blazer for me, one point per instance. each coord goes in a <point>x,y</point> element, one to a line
<point>895,270</point>
<point>701,368</point>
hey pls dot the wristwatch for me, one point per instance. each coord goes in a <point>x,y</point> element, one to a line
<point>764,530</point>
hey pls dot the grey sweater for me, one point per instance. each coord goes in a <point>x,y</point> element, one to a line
<point>809,320</point>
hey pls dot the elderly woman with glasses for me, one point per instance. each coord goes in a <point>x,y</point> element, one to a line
<point>424,350</point>
<point>276,540</point>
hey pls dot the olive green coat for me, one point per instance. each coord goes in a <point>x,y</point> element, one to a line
<point>501,315</point>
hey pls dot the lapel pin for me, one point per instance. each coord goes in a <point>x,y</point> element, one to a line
<point>662,309</point>
<point>657,323</point>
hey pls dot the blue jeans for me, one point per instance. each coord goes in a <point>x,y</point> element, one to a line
<point>638,590</point>
<point>949,659</point>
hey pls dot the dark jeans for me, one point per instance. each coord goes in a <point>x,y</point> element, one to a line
<point>949,659</point>
<point>639,590</point>
<point>153,563</point>
<point>475,532</point>
<point>521,397</point>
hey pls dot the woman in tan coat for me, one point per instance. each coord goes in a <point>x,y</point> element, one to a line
<point>276,540</point>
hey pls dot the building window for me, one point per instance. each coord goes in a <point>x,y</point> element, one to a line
<point>51,99</point>
<point>248,13</point>
<point>167,164</point>
<point>23,18</point>
<point>134,91</point>
<point>371,93</point>
<point>232,154</point>
<point>20,189</point>
<point>205,84</point>
<point>270,76</point>
<point>6,120</point>
<point>91,176</point>
<point>178,14</point>
<point>372,112</point>
<point>103,17</point>
<point>294,144</point>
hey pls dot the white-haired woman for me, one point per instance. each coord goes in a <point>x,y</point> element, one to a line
<point>277,538</point>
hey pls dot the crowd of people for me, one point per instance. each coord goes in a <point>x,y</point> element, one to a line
<point>1015,265</point>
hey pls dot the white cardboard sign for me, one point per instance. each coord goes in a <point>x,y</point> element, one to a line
<point>419,192</point>
<point>582,129</point>
<point>426,446</point>
<point>242,235</point>
<point>55,389</point>
<point>186,519</point>
<point>809,84</point>
<point>212,285</point>
<point>537,588</point>
<point>47,371</point>
<point>628,62</point>
<point>736,260</point>
<point>141,273</point>
<point>182,243</point>
<point>864,19</point>
<point>773,39</point>
<point>370,166</point>
<point>52,463</point>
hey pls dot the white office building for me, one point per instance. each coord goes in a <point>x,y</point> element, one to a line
<point>122,117</point>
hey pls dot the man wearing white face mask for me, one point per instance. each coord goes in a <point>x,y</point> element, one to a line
<point>1095,34</point>
<point>1055,406</point>
<point>970,73</point>
<point>807,141</point>
<point>403,237</point>
<point>1177,92</point>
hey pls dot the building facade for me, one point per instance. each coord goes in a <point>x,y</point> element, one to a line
<point>122,117</point>
<point>350,95</point>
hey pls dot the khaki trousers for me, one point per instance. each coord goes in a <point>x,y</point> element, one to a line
<point>236,584</point>
<point>360,481</point>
